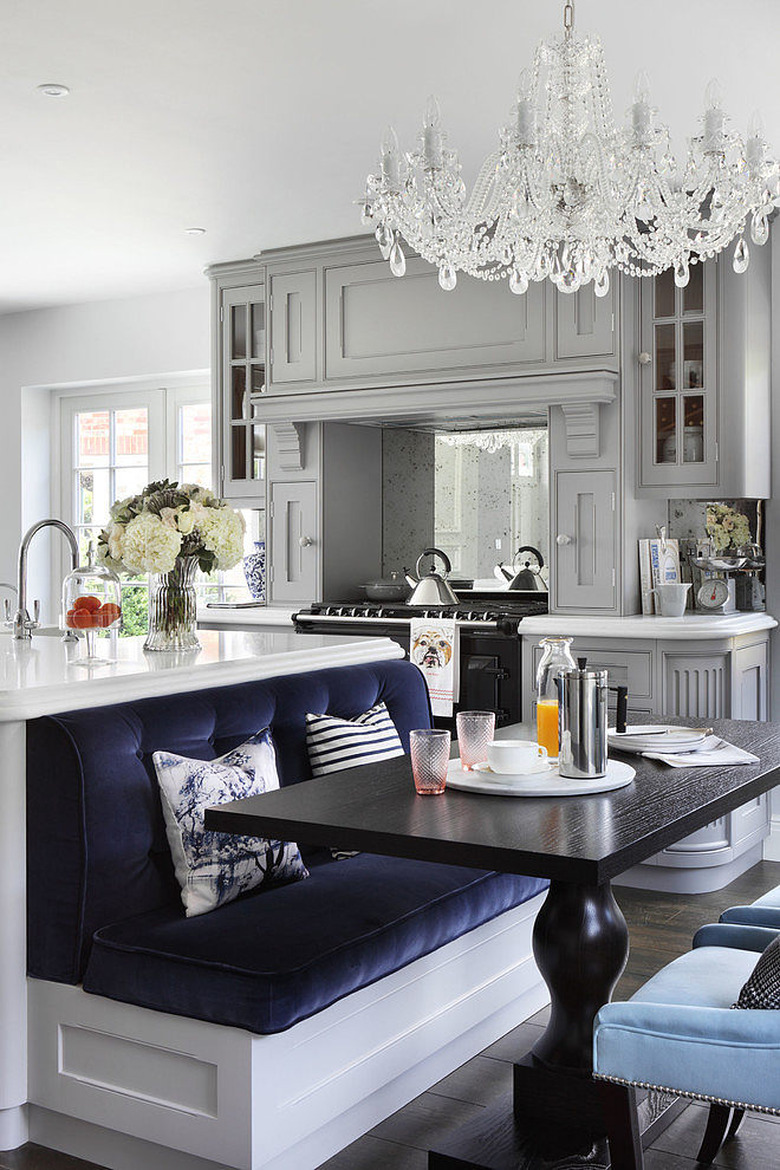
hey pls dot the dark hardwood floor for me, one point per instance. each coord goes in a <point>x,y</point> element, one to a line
<point>661,927</point>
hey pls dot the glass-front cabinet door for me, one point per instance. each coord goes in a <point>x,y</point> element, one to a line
<point>243,320</point>
<point>678,386</point>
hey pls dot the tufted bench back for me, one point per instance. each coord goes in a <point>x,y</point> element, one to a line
<point>96,845</point>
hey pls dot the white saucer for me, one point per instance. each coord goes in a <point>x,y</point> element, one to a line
<point>656,737</point>
<point>505,777</point>
<point>549,783</point>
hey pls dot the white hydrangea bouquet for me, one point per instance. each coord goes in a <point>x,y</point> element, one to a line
<point>171,530</point>
<point>167,520</point>
<point>726,527</point>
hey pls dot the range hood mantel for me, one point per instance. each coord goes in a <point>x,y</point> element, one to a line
<point>485,399</point>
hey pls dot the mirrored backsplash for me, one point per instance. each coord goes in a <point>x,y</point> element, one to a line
<point>478,496</point>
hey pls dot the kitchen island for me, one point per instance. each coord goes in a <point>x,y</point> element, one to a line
<point>44,677</point>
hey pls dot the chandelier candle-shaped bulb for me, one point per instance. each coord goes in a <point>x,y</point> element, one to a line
<point>391,170</point>
<point>642,112</point>
<point>754,147</point>
<point>432,135</point>
<point>714,118</point>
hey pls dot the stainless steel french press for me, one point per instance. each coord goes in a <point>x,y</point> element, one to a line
<point>583,726</point>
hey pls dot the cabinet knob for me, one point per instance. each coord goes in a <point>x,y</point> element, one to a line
<point>645,358</point>
<point>564,538</point>
<point>305,541</point>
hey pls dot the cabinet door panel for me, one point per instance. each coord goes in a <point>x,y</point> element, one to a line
<point>293,329</point>
<point>242,344</point>
<point>377,324</point>
<point>696,686</point>
<point>294,541</point>
<point>750,683</point>
<point>678,384</point>
<point>585,324</point>
<point>585,548</point>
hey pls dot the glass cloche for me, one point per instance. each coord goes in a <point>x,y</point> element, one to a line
<point>91,601</point>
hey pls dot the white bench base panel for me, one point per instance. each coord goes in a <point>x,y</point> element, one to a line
<point>130,1088</point>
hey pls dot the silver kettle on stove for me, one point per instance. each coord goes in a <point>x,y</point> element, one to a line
<point>431,589</point>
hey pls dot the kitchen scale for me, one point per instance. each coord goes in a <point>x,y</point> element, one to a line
<point>717,595</point>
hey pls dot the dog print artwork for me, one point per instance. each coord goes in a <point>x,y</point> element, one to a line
<point>434,649</point>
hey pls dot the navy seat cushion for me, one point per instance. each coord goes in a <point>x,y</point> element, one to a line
<point>96,846</point>
<point>275,957</point>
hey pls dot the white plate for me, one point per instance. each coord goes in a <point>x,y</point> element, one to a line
<point>548,783</point>
<point>667,738</point>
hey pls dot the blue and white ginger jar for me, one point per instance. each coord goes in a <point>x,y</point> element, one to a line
<point>254,571</point>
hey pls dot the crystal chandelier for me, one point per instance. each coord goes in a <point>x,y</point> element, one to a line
<point>568,196</point>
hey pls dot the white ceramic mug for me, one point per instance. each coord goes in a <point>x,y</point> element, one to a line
<point>673,598</point>
<point>516,757</point>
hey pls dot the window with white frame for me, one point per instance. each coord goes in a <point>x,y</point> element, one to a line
<point>113,444</point>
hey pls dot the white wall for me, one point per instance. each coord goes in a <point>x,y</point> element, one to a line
<point>102,341</point>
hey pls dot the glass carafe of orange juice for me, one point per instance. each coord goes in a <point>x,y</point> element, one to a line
<point>556,657</point>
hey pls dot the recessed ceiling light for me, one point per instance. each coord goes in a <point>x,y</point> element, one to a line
<point>195,231</point>
<point>53,89</point>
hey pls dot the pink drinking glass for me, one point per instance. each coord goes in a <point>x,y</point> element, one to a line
<point>475,733</point>
<point>430,752</point>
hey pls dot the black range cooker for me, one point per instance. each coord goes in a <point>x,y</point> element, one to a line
<point>490,666</point>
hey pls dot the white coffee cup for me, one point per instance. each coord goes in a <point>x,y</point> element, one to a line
<point>516,757</point>
<point>673,598</point>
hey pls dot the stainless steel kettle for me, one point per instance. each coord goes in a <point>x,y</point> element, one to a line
<point>431,589</point>
<point>526,578</point>
<point>583,695</point>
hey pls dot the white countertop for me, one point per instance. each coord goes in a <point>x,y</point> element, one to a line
<point>260,616</point>
<point>43,677</point>
<point>690,627</point>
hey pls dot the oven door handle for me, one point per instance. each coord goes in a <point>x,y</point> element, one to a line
<point>500,672</point>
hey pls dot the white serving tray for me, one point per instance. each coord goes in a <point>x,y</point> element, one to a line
<point>546,783</point>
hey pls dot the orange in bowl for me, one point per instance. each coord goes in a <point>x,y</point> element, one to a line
<point>89,602</point>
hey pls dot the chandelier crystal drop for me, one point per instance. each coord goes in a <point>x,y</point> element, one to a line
<point>567,196</point>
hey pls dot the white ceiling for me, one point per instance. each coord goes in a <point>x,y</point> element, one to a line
<point>259,119</point>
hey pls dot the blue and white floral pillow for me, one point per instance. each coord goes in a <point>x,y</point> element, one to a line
<point>214,868</point>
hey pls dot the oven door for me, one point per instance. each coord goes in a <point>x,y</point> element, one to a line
<point>490,677</point>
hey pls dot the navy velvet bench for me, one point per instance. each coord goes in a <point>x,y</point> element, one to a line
<point>274,1030</point>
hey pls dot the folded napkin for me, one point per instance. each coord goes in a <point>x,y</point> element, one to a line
<point>709,754</point>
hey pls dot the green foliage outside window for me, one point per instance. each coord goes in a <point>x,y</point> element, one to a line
<point>135,615</point>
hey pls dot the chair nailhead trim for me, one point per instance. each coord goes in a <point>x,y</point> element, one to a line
<point>693,1096</point>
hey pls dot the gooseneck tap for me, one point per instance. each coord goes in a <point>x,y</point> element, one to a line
<point>23,624</point>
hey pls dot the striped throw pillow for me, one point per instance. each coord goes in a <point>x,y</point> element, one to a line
<point>335,744</point>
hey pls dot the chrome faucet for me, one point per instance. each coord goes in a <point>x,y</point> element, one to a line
<point>23,625</point>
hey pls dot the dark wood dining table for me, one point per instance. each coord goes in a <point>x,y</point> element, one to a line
<point>580,938</point>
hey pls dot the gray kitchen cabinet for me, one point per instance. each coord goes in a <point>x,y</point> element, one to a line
<point>704,353</point>
<point>585,540</point>
<point>325,505</point>
<point>585,323</point>
<point>292,308</point>
<point>239,380</point>
<point>377,324</point>
<point>295,540</point>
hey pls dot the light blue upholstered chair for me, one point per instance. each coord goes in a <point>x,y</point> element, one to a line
<point>678,1033</point>
<point>765,911</point>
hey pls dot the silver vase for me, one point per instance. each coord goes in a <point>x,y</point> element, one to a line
<point>172,608</point>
